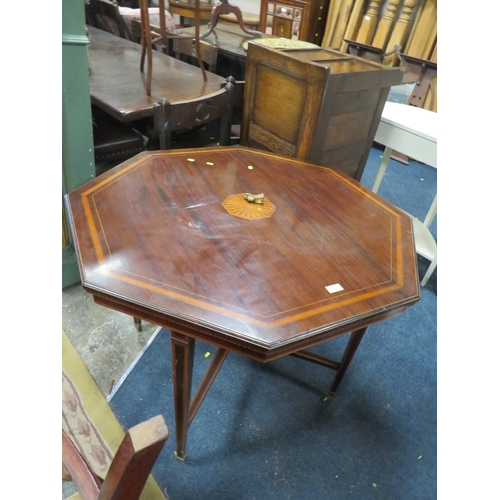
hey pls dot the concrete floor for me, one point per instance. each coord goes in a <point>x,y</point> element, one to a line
<point>106,341</point>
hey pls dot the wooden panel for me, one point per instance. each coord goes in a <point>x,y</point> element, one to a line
<point>369,23</point>
<point>352,26</point>
<point>342,129</point>
<point>411,24</point>
<point>261,138</point>
<point>276,91</point>
<point>424,31</point>
<point>431,42</point>
<point>338,17</point>
<point>351,118</point>
<point>297,92</point>
<point>385,24</point>
<point>282,27</point>
<point>400,32</point>
<point>343,157</point>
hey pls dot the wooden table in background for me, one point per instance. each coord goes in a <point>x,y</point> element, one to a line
<point>118,87</point>
<point>169,237</point>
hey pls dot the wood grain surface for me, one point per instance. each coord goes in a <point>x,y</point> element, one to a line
<point>118,87</point>
<point>154,240</point>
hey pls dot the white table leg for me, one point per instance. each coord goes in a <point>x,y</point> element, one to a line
<point>431,213</point>
<point>381,171</point>
<point>429,272</point>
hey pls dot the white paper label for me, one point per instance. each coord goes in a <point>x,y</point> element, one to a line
<point>334,288</point>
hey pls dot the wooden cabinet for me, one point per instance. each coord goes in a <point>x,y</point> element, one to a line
<point>317,105</point>
<point>294,19</point>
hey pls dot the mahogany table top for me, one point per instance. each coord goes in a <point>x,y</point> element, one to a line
<point>168,236</point>
<point>118,87</point>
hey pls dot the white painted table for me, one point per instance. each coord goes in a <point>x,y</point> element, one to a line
<point>413,132</point>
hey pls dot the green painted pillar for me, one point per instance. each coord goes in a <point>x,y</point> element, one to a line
<point>78,165</point>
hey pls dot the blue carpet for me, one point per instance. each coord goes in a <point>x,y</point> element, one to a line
<point>263,431</point>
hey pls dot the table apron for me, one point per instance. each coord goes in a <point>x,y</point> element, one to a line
<point>233,344</point>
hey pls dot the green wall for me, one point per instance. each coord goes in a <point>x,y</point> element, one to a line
<point>78,164</point>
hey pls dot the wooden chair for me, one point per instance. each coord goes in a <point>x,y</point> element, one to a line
<point>105,15</point>
<point>129,469</point>
<point>187,115</point>
<point>185,124</point>
<point>149,37</point>
<point>187,47</point>
<point>137,36</point>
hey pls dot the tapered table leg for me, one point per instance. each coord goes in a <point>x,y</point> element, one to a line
<point>182,371</point>
<point>353,343</point>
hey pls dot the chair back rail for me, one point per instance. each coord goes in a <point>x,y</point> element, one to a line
<point>184,115</point>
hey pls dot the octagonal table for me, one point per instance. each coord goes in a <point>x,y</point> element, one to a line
<point>170,237</point>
